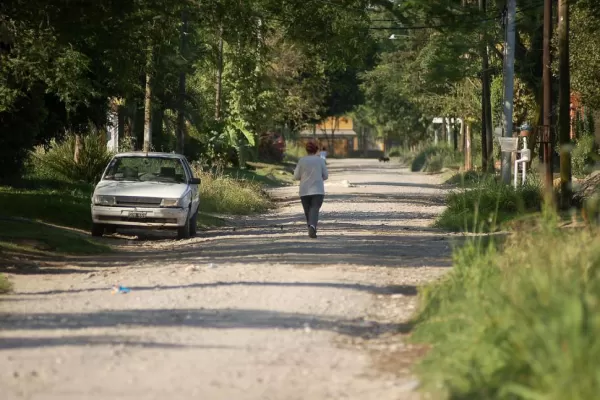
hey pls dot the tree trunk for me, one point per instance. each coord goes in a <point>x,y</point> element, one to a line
<point>181,98</point>
<point>148,106</point>
<point>121,121</point>
<point>564,117</point>
<point>219,75</point>
<point>454,134</point>
<point>463,142</point>
<point>78,148</point>
<point>331,149</point>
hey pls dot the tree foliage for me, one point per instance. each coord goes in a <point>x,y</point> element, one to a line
<point>71,60</point>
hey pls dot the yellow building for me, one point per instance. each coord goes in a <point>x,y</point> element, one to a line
<point>347,137</point>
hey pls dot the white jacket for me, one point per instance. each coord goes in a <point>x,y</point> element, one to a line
<point>312,173</point>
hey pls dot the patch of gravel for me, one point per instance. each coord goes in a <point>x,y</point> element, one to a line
<point>259,312</point>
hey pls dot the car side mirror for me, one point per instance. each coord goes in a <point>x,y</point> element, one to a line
<point>195,181</point>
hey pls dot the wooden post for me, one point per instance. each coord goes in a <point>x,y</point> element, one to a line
<point>564,99</point>
<point>547,136</point>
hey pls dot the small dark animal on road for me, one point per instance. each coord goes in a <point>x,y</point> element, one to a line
<point>384,159</point>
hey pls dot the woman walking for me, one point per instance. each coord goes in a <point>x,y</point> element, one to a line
<point>312,173</point>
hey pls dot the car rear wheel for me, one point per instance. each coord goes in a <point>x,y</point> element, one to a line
<point>183,232</point>
<point>97,229</point>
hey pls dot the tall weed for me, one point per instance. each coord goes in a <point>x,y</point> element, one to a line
<point>222,194</point>
<point>584,155</point>
<point>434,158</point>
<point>517,323</point>
<point>488,204</point>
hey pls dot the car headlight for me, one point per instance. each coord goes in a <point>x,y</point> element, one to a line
<point>104,200</point>
<point>169,203</point>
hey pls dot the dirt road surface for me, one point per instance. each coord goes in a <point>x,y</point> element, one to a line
<point>259,312</point>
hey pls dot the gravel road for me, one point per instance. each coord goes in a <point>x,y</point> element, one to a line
<point>259,312</point>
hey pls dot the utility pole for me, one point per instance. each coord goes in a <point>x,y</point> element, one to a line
<point>487,140</point>
<point>181,99</point>
<point>509,69</point>
<point>547,133</point>
<point>564,103</point>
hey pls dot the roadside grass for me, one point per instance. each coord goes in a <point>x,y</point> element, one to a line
<point>469,178</point>
<point>30,237</point>
<point>516,321</point>
<point>404,154</point>
<point>220,193</point>
<point>486,205</point>
<point>435,158</point>
<point>271,175</point>
<point>5,285</point>
<point>50,201</point>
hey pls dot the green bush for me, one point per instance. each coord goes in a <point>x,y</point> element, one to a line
<point>434,158</point>
<point>584,155</point>
<point>405,154</point>
<point>518,323</point>
<point>395,152</point>
<point>487,205</point>
<point>58,162</point>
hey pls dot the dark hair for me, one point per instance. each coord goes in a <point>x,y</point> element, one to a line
<point>311,147</point>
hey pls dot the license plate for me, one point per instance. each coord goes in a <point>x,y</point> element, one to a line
<point>137,214</point>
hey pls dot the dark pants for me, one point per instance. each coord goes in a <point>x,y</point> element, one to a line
<point>312,204</point>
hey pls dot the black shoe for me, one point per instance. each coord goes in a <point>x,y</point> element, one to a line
<point>312,232</point>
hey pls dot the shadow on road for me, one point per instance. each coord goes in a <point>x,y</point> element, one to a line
<point>203,318</point>
<point>7,343</point>
<point>405,290</point>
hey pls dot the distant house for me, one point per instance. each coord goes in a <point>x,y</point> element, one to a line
<point>348,138</point>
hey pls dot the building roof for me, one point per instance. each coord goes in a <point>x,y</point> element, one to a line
<point>337,133</point>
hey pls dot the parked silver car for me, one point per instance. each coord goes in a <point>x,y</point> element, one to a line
<point>146,190</point>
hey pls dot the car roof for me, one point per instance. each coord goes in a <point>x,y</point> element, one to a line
<point>151,154</point>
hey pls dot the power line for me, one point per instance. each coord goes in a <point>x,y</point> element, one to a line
<point>498,15</point>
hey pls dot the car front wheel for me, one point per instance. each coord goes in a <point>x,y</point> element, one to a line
<point>183,232</point>
<point>194,224</point>
<point>97,230</point>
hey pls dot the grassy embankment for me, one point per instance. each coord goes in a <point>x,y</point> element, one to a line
<point>517,320</point>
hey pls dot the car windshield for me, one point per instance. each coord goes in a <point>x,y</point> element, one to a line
<point>146,169</point>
